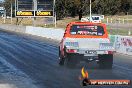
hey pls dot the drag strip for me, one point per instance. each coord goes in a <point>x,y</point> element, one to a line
<point>38,58</point>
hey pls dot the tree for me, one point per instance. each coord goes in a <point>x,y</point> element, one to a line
<point>72,8</point>
<point>7,5</point>
<point>107,7</point>
<point>125,5</point>
<point>130,10</point>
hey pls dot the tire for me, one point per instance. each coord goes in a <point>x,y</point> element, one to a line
<point>106,61</point>
<point>61,60</point>
<point>72,60</point>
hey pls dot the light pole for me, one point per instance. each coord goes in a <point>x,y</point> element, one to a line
<point>54,12</point>
<point>5,16</point>
<point>16,9</point>
<point>35,2</point>
<point>11,11</point>
<point>90,12</point>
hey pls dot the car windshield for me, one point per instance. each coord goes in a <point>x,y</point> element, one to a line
<point>87,30</point>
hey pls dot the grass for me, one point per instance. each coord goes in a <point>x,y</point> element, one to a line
<point>119,32</point>
<point>63,23</point>
<point>42,22</point>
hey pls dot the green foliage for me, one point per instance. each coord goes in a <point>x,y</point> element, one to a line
<point>72,8</point>
<point>109,7</point>
<point>7,5</point>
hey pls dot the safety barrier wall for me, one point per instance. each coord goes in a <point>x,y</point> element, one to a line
<point>16,28</point>
<point>45,32</point>
<point>122,44</point>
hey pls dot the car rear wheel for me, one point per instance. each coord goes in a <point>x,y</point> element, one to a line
<point>61,59</point>
<point>106,61</point>
<point>72,60</point>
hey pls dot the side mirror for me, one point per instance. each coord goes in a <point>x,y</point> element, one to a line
<point>65,34</point>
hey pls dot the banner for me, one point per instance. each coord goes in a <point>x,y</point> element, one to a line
<point>34,13</point>
<point>34,8</point>
<point>123,44</point>
<point>24,13</point>
<point>43,13</point>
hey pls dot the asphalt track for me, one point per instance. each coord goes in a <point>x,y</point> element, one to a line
<point>38,58</point>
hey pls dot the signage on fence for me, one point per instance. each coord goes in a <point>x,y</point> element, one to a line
<point>34,8</point>
<point>24,13</point>
<point>34,14</point>
<point>123,44</point>
<point>43,13</point>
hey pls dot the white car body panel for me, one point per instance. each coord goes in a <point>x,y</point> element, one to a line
<point>100,45</point>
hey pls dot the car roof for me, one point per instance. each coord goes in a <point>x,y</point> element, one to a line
<point>81,23</point>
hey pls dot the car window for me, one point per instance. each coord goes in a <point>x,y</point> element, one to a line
<point>87,30</point>
<point>95,18</point>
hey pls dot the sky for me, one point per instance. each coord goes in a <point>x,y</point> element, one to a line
<point>1,0</point>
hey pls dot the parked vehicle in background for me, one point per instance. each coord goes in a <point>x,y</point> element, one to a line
<point>94,19</point>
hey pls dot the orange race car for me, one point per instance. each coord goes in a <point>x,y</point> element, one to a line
<point>85,41</point>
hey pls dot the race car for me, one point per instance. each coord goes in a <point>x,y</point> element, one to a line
<point>86,41</point>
